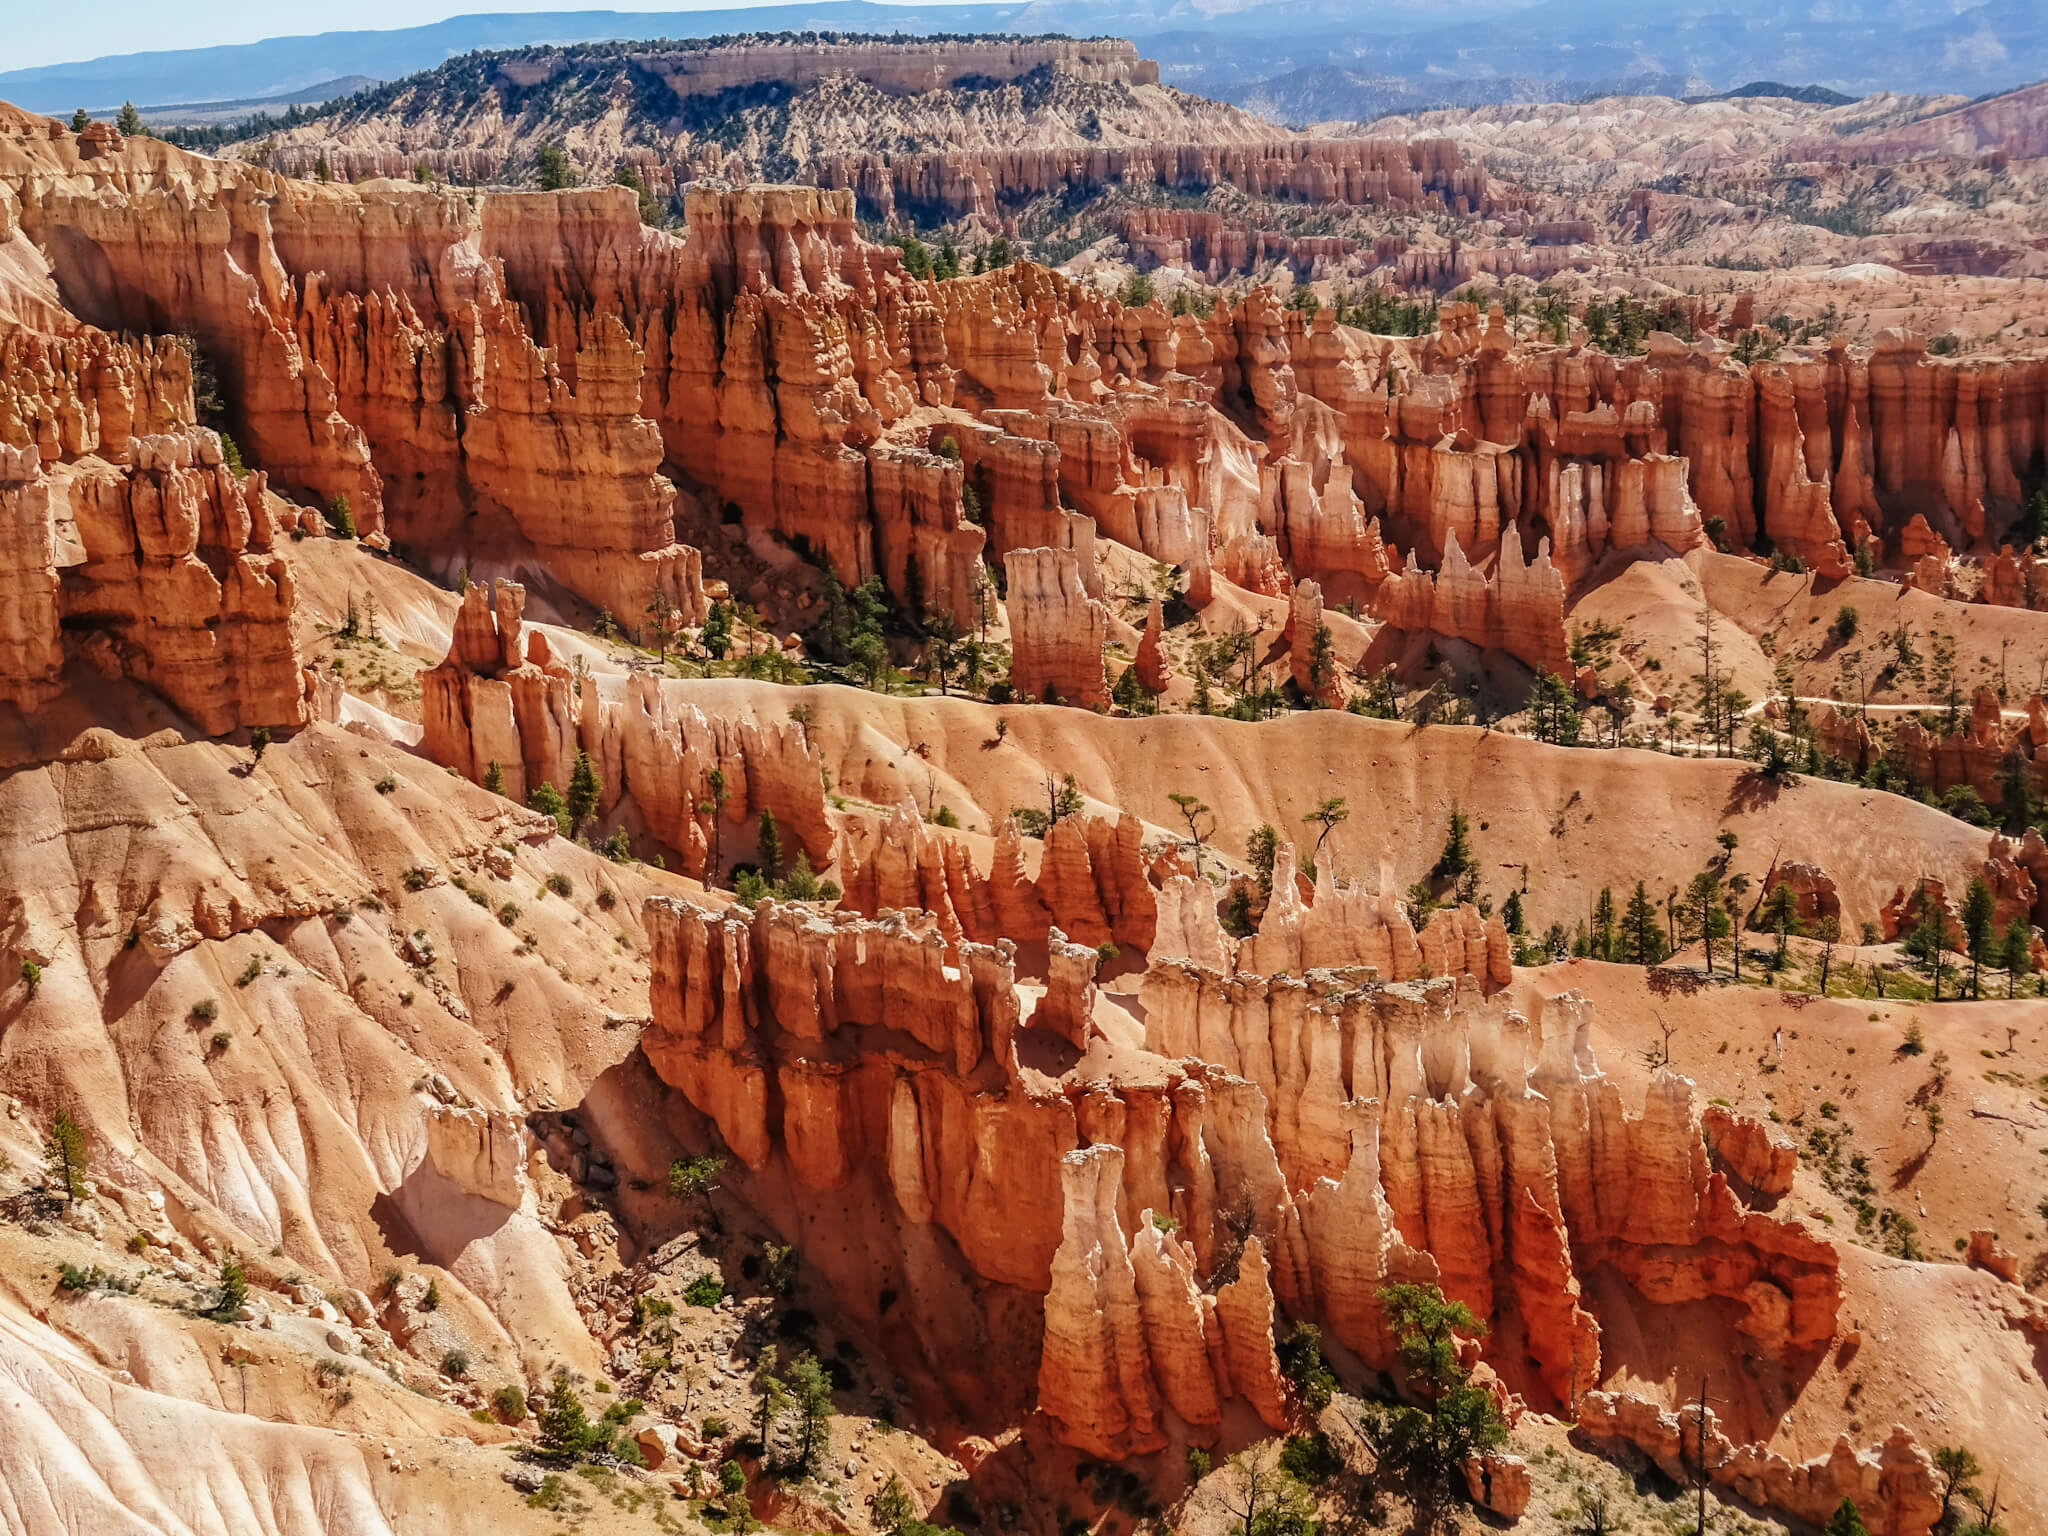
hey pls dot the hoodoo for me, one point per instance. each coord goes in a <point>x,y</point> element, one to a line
<point>908,785</point>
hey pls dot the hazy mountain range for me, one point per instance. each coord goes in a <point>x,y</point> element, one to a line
<point>1298,60</point>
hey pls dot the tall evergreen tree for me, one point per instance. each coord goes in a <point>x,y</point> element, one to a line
<point>1456,858</point>
<point>2017,954</point>
<point>1978,910</point>
<point>1600,942</point>
<point>585,790</point>
<point>1642,935</point>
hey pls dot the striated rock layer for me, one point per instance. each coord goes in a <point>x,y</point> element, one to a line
<point>162,567</point>
<point>1312,1138</point>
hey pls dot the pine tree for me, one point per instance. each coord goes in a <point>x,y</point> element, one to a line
<point>1511,917</point>
<point>585,790</point>
<point>1846,1521</point>
<point>1600,943</point>
<point>1261,847</point>
<point>551,169</point>
<point>892,1507</point>
<point>1128,694</point>
<point>1192,811</point>
<point>1553,713</point>
<point>774,1398</point>
<point>1322,664</point>
<point>770,843</point>
<point>129,121</point>
<point>1331,813</point>
<point>80,120</point>
<point>565,1429</point>
<point>662,610</point>
<point>1642,934</point>
<point>234,1290</point>
<point>65,1158</point>
<point>494,778</point>
<point>810,1389</point>
<point>2016,954</point>
<point>1928,941</point>
<point>716,635</point>
<point>548,800</point>
<point>1704,916</point>
<point>1457,855</point>
<point>1978,910</point>
<point>1780,916</point>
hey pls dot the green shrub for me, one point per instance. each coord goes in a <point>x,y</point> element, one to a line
<point>206,1010</point>
<point>560,884</point>
<point>704,1291</point>
<point>509,1403</point>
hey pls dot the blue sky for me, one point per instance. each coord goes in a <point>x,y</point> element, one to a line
<point>41,33</point>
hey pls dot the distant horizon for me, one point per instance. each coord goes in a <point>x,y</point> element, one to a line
<point>49,38</point>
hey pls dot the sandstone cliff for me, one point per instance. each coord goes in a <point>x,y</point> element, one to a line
<point>1312,1138</point>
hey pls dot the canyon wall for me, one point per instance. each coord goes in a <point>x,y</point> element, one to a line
<point>162,568</point>
<point>1311,1137</point>
<point>941,186</point>
<point>904,68</point>
<point>514,382</point>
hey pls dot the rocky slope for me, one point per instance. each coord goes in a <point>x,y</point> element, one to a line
<point>924,132</point>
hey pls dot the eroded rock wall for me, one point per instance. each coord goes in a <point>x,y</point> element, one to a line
<point>1310,1138</point>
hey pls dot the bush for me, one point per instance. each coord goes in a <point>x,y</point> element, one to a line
<point>386,785</point>
<point>455,1363</point>
<point>548,800</point>
<point>508,914</point>
<point>704,1291</point>
<point>31,976</point>
<point>509,1403</point>
<point>431,1302</point>
<point>341,516</point>
<point>1302,1363</point>
<point>250,971</point>
<point>691,1177</point>
<point>1310,1458</point>
<point>561,885</point>
<point>416,879</point>
<point>1843,629</point>
<point>715,1428</point>
<point>206,1010</point>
